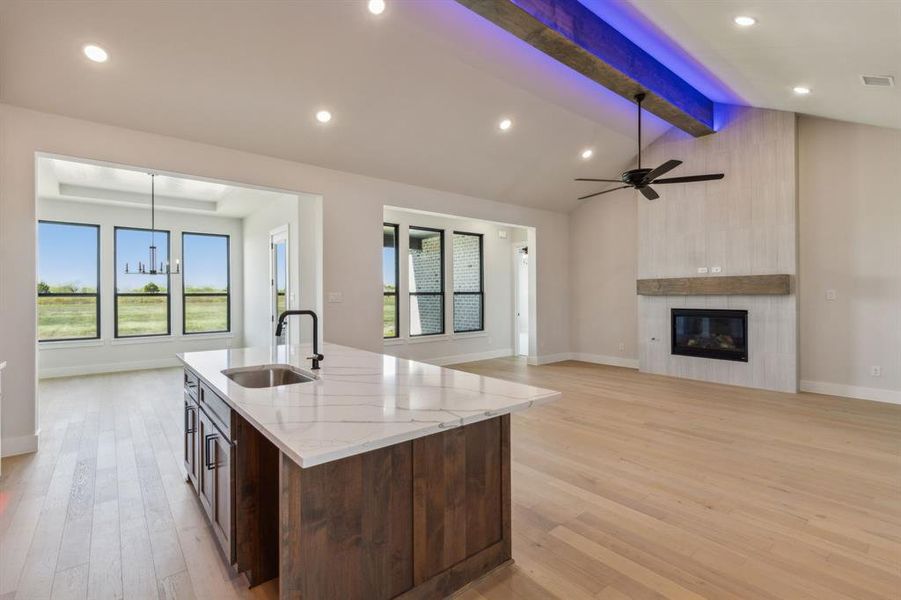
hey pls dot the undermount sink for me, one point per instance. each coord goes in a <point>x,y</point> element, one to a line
<point>264,376</point>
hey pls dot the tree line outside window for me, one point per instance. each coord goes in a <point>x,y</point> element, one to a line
<point>425,276</point>
<point>68,297</point>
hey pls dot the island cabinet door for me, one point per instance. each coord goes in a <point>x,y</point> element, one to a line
<point>214,482</point>
<point>190,439</point>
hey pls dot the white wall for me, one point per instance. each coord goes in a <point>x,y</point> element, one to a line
<point>850,242</point>
<point>57,359</point>
<point>497,338</point>
<point>303,217</point>
<point>604,250</point>
<point>352,236</point>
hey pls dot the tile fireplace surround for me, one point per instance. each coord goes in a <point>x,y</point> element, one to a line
<point>746,225</point>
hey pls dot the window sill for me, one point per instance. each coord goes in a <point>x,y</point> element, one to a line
<point>393,341</point>
<point>422,339</point>
<point>222,335</point>
<point>150,339</point>
<point>463,335</point>
<point>50,344</point>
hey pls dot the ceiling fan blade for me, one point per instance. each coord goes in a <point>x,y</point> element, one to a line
<point>648,193</point>
<point>690,178</point>
<point>603,180</point>
<point>604,192</point>
<point>664,168</point>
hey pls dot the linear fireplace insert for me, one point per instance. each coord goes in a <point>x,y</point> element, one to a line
<point>709,333</point>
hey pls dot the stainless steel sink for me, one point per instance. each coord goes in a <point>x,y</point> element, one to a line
<point>264,376</point>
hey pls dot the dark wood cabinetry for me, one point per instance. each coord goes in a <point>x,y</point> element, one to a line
<point>208,458</point>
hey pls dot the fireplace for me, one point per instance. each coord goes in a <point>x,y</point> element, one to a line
<point>708,333</point>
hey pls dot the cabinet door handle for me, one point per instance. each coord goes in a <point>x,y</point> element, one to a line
<point>210,464</point>
<point>192,411</point>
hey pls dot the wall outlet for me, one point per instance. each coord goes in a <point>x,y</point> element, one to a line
<point>334,297</point>
<point>716,269</point>
<point>830,295</point>
<point>876,371</point>
<point>702,269</point>
<point>622,347</point>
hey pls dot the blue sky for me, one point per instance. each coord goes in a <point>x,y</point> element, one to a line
<point>67,254</point>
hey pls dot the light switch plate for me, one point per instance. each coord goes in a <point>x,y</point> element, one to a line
<point>334,297</point>
<point>830,295</point>
<point>502,234</point>
<point>716,269</point>
<point>702,269</point>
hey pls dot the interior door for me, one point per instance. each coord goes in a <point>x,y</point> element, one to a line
<point>280,300</point>
<point>521,262</point>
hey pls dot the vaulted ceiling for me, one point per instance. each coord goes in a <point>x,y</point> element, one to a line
<point>416,92</point>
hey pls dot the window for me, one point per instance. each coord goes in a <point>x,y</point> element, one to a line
<point>426,273</point>
<point>390,270</point>
<point>205,293</point>
<point>68,281</point>
<point>469,297</point>
<point>141,301</point>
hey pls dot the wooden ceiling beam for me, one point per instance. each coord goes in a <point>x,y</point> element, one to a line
<point>573,35</point>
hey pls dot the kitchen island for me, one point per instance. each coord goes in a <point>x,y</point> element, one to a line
<point>379,477</point>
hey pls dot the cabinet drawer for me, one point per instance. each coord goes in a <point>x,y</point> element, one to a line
<point>216,408</point>
<point>191,383</point>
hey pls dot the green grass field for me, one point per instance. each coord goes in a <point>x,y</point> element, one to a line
<point>67,318</point>
<point>388,316</point>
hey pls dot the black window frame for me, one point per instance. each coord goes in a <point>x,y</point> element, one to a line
<point>481,292</point>
<point>116,293</point>
<point>228,284</point>
<point>396,292</point>
<point>442,292</point>
<point>96,294</point>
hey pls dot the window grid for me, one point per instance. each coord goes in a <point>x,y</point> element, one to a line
<point>95,295</point>
<point>439,294</point>
<point>394,294</point>
<point>227,294</point>
<point>117,294</point>
<point>481,291</point>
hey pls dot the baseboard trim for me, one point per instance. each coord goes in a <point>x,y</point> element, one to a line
<point>23,444</point>
<point>465,358</point>
<point>140,365</point>
<point>603,359</point>
<point>852,391</point>
<point>550,358</point>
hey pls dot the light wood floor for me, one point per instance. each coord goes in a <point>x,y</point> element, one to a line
<point>632,486</point>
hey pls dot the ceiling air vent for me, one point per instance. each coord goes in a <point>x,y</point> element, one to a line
<point>878,80</point>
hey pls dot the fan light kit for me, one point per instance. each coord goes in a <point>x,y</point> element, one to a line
<point>95,53</point>
<point>744,21</point>
<point>150,268</point>
<point>641,179</point>
<point>323,116</point>
<point>801,90</point>
<point>376,7</point>
<point>505,124</point>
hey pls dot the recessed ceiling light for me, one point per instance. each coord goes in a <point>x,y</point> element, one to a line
<point>323,116</point>
<point>587,153</point>
<point>801,90</point>
<point>95,53</point>
<point>505,124</point>
<point>376,7</point>
<point>744,21</point>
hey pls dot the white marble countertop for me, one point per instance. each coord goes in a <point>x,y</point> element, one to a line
<point>361,400</point>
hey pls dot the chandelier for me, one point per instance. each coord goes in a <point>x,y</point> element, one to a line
<point>150,267</point>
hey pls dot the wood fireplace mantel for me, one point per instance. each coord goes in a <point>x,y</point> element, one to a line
<point>726,285</point>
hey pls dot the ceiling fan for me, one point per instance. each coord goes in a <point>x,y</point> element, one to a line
<point>641,179</point>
